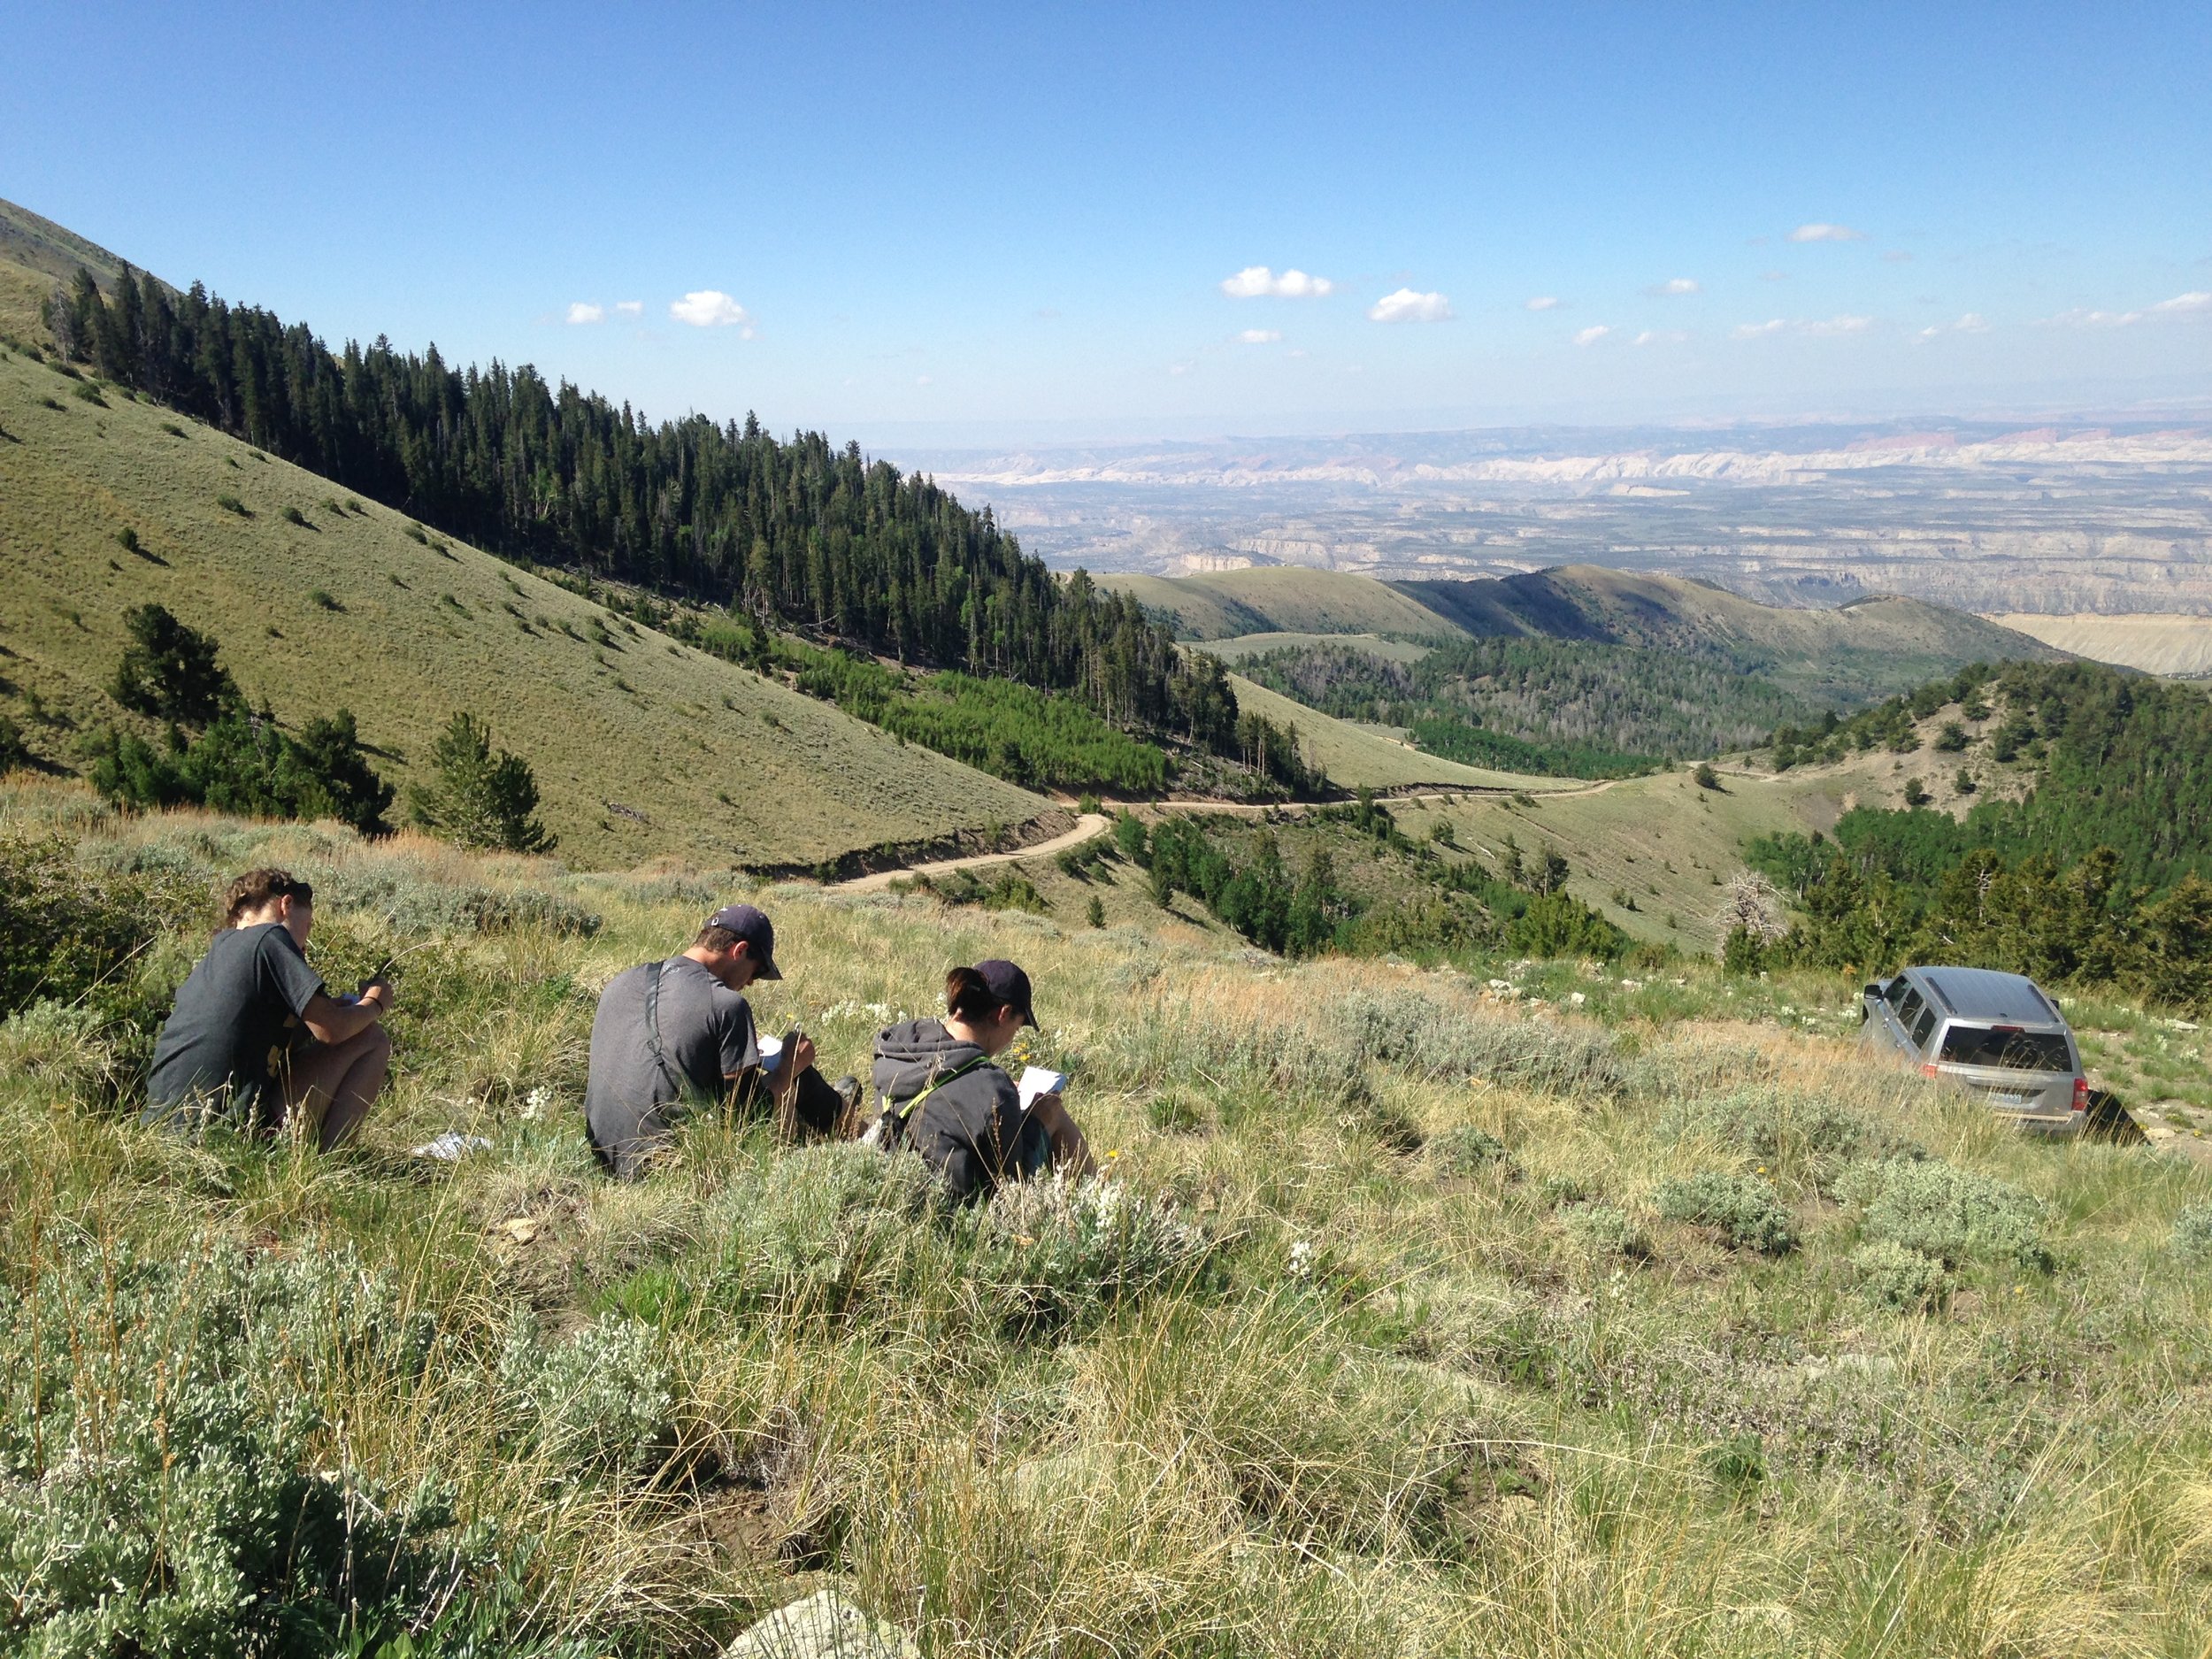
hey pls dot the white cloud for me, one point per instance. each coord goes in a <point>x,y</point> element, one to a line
<point>582,312</point>
<point>1406,306</point>
<point>1841,324</point>
<point>1660,337</point>
<point>1826,233</point>
<point>711,307</point>
<point>1971,323</point>
<point>1673,285</point>
<point>1594,332</point>
<point>2184,304</point>
<point>1259,337</point>
<point>1544,302</point>
<point>629,307</point>
<point>1257,282</point>
<point>2079,319</point>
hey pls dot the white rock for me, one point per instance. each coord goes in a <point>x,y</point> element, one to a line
<point>1577,998</point>
<point>824,1626</point>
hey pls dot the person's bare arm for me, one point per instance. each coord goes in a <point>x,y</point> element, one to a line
<point>1070,1149</point>
<point>331,1021</point>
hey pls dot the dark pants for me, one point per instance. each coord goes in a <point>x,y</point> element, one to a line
<point>818,1109</point>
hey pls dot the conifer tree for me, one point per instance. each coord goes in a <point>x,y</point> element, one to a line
<point>479,798</point>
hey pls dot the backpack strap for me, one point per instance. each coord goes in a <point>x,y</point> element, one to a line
<point>653,1030</point>
<point>895,1118</point>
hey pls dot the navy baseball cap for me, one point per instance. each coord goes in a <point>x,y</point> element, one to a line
<point>751,924</point>
<point>1009,985</point>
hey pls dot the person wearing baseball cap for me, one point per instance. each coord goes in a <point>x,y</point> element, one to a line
<point>944,1095</point>
<point>673,1036</point>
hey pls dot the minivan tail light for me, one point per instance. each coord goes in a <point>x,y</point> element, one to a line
<point>2081,1094</point>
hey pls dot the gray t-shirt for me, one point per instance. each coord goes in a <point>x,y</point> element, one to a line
<point>237,1016</point>
<point>632,1101</point>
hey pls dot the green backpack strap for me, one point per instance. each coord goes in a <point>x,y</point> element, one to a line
<point>895,1118</point>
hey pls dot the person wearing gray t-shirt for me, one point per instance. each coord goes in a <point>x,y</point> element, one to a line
<point>679,1033</point>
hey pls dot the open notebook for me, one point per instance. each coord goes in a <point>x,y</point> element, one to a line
<point>1036,1080</point>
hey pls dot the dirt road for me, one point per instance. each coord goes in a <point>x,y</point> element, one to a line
<point>1088,827</point>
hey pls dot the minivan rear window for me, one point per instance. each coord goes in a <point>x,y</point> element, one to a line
<point>2008,1046</point>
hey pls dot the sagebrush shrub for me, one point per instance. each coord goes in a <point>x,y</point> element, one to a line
<point>1465,1149</point>
<point>1068,1249</point>
<point>159,1494</point>
<point>1894,1276</point>
<point>1955,1216</point>
<point>599,1401</point>
<point>2192,1232</point>
<point>1606,1230</point>
<point>1744,1208</point>
<point>1431,1039</point>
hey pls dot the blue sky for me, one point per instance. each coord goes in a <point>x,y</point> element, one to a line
<point>1022,219</point>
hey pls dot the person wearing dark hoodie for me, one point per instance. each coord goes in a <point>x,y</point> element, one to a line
<point>945,1097</point>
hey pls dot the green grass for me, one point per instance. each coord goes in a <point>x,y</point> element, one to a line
<point>1442,1322</point>
<point>1244,645</point>
<point>1285,599</point>
<point>1358,757</point>
<point>636,740</point>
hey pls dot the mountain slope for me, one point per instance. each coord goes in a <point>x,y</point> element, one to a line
<point>1869,648</point>
<point>1280,599</point>
<point>1357,758</point>
<point>641,746</point>
<point>34,254</point>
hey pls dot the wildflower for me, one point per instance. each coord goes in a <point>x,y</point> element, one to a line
<point>1301,1260</point>
<point>536,1103</point>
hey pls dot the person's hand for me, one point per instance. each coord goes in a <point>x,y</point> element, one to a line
<point>799,1054</point>
<point>378,991</point>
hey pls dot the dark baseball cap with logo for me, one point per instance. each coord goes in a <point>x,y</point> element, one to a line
<point>751,924</point>
<point>1009,985</point>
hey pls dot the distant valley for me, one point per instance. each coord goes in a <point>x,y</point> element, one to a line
<point>1994,518</point>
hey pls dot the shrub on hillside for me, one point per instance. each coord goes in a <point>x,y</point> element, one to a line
<point>1606,1230</point>
<point>1799,1133</point>
<point>1952,1214</point>
<point>1440,1042</point>
<point>167,1489</point>
<point>1897,1277</point>
<point>245,763</point>
<point>15,754</point>
<point>1464,1149</point>
<point>2193,1234</point>
<point>1745,1209</point>
<point>1557,924</point>
<point>477,798</point>
<point>1067,1251</point>
<point>599,1399</point>
<point>68,937</point>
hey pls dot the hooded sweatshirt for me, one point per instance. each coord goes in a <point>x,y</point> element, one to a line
<point>972,1130</point>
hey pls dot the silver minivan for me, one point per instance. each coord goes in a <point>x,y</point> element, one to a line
<point>1998,1036</point>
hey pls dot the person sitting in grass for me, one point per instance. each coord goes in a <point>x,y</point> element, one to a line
<point>255,1040</point>
<point>944,1098</point>
<point>674,1034</point>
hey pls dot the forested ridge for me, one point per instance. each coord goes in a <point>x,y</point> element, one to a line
<point>798,532</point>
<point>2097,875</point>
<point>1570,708</point>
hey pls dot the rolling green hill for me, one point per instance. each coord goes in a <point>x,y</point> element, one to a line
<point>1279,599</point>
<point>1870,648</point>
<point>642,746</point>
<point>1357,757</point>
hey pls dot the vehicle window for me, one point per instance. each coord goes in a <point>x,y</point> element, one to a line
<point>1896,991</point>
<point>1909,1009</point>
<point>2008,1046</point>
<point>1925,1028</point>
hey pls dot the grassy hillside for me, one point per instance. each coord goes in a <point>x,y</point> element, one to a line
<point>1868,649</point>
<point>34,254</point>
<point>1357,758</point>
<point>1843,657</point>
<point>1279,599</point>
<point>2177,647</point>
<point>1592,1317</point>
<point>641,746</point>
<point>1388,650</point>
